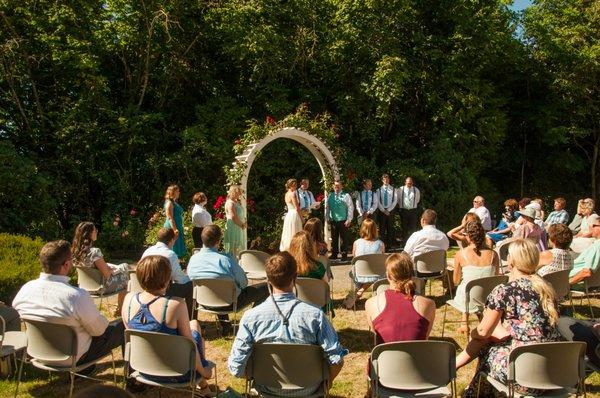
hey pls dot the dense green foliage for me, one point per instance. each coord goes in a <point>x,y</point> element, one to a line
<point>19,263</point>
<point>103,103</point>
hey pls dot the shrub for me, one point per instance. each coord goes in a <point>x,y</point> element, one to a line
<point>19,263</point>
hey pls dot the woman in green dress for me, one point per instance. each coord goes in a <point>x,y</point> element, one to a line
<point>234,239</point>
<point>174,220</point>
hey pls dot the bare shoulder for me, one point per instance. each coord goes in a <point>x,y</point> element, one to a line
<point>425,301</point>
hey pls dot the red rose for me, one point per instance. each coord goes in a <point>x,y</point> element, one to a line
<point>132,212</point>
<point>238,141</point>
<point>270,120</point>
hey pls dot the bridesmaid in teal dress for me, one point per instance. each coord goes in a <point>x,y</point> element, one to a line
<point>234,239</point>
<point>174,220</point>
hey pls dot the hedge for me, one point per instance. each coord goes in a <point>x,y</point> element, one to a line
<point>19,263</point>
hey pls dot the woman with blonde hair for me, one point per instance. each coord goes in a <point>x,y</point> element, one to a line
<point>399,314</point>
<point>292,222</point>
<point>234,237</point>
<point>303,249</point>
<point>369,243</point>
<point>584,238</point>
<point>527,306</point>
<point>153,311</point>
<point>174,221</point>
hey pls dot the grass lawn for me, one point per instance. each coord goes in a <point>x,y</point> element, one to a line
<point>353,332</point>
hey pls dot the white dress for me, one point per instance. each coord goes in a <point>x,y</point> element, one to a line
<point>292,223</point>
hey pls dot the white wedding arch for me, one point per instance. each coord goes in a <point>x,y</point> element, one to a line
<point>316,147</point>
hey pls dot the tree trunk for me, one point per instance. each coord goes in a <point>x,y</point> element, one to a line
<point>595,165</point>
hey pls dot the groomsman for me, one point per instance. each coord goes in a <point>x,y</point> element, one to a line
<point>409,198</point>
<point>338,211</point>
<point>366,201</point>
<point>386,205</point>
<point>306,198</point>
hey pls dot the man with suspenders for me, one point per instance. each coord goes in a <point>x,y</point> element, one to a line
<point>387,203</point>
<point>366,201</point>
<point>409,198</point>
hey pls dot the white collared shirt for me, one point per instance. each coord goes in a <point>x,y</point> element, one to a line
<point>160,249</point>
<point>366,202</point>
<point>426,240</point>
<point>200,217</point>
<point>50,298</point>
<point>484,216</point>
<point>392,199</point>
<point>409,198</point>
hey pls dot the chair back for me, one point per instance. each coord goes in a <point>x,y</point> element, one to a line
<point>253,260</point>
<point>478,290</point>
<point>559,280</point>
<point>215,292</point>
<point>89,278</point>
<point>312,291</point>
<point>431,262</point>
<point>503,252</point>
<point>325,261</point>
<point>49,342</point>
<point>380,286</point>
<point>159,354</point>
<point>414,365</point>
<point>287,366</point>
<point>369,265</point>
<point>556,364</point>
<point>133,286</point>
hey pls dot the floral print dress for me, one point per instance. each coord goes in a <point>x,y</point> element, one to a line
<point>525,319</point>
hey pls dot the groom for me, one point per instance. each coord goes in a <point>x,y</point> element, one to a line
<point>339,210</point>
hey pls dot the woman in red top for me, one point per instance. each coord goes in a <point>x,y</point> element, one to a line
<point>399,314</point>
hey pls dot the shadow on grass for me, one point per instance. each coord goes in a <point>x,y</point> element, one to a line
<point>356,340</point>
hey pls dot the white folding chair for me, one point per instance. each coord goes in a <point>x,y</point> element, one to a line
<point>90,279</point>
<point>253,263</point>
<point>432,265</point>
<point>313,291</point>
<point>11,343</point>
<point>216,296</point>
<point>367,265</point>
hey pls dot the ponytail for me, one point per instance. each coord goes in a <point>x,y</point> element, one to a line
<point>547,297</point>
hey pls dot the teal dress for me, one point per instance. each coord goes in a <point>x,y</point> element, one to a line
<point>179,245</point>
<point>234,239</point>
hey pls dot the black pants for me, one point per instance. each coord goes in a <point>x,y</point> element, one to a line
<point>339,230</point>
<point>408,218</point>
<point>113,337</point>
<point>580,330</point>
<point>254,294</point>
<point>197,237</point>
<point>185,291</point>
<point>386,228</point>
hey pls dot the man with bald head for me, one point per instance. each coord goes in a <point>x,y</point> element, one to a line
<point>483,213</point>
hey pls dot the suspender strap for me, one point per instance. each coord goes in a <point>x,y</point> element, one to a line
<point>284,318</point>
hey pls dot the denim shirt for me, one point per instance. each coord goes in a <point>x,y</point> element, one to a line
<point>263,324</point>
<point>210,264</point>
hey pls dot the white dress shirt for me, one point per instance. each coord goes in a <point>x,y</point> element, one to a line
<point>200,217</point>
<point>366,202</point>
<point>306,199</point>
<point>484,216</point>
<point>347,200</point>
<point>50,298</point>
<point>160,249</point>
<point>392,198</point>
<point>426,240</point>
<point>408,198</point>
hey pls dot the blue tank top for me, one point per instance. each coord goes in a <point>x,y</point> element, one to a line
<point>144,320</point>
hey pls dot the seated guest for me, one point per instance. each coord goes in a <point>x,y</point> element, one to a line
<point>523,203</point>
<point>558,258</point>
<point>368,243</point>
<point>474,261</point>
<point>304,252</point>
<point>584,330</point>
<point>285,319</point>
<point>12,321</point>
<point>459,235</point>
<point>86,255</point>
<point>559,215</point>
<point>527,304</point>
<point>314,227</point>
<point>503,230</point>
<point>529,229</point>
<point>153,310</point>
<point>428,239</point>
<point>584,237</point>
<point>399,314</point>
<point>540,213</point>
<point>208,263</point>
<point>575,225</point>
<point>587,262</point>
<point>180,286</point>
<point>50,298</point>
<point>482,211</point>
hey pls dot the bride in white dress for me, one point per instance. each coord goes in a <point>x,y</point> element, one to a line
<point>292,222</point>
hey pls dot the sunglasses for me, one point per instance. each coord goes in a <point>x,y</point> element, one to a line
<point>595,225</point>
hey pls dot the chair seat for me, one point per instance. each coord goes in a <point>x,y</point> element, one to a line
<point>558,393</point>
<point>320,392</point>
<point>13,341</point>
<point>256,275</point>
<point>434,393</point>
<point>61,368</point>
<point>139,377</point>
